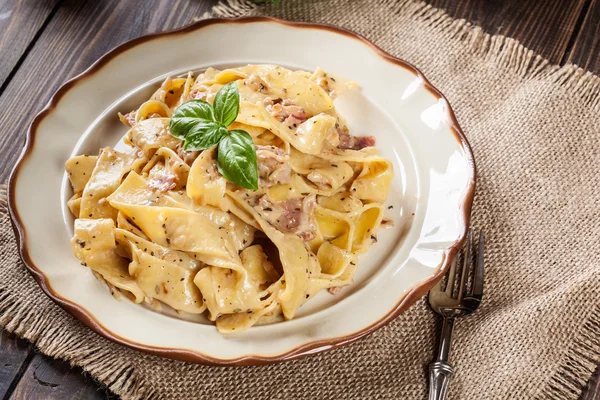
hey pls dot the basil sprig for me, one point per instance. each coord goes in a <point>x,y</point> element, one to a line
<point>201,125</point>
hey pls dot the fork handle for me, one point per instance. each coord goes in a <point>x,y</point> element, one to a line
<point>440,373</point>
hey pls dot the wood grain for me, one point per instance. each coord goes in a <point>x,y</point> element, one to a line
<point>46,378</point>
<point>544,26</point>
<point>586,49</point>
<point>14,358</point>
<point>592,391</point>
<point>20,22</point>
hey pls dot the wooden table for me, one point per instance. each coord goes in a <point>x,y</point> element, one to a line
<point>45,42</point>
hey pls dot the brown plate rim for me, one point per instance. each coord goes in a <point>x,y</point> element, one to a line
<point>192,356</point>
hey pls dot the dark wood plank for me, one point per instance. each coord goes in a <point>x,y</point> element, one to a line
<point>15,355</point>
<point>592,391</point>
<point>586,49</point>
<point>46,378</point>
<point>543,26</point>
<point>20,22</point>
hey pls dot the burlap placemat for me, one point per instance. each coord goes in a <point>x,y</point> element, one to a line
<point>535,132</point>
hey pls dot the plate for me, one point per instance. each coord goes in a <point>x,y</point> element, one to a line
<point>430,199</point>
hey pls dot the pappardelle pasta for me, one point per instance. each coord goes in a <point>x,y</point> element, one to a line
<point>161,225</point>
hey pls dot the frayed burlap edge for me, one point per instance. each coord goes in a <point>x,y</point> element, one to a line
<point>578,362</point>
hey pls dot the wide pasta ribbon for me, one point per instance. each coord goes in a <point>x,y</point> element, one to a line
<point>162,226</point>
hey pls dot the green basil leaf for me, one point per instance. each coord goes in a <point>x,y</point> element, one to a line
<point>189,114</point>
<point>203,135</point>
<point>236,159</point>
<point>227,104</point>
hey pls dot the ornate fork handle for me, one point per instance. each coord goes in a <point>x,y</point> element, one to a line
<point>440,373</point>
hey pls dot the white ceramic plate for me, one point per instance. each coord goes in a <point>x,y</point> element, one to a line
<point>430,200</point>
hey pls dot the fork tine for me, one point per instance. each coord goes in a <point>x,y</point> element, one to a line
<point>437,287</point>
<point>478,270</point>
<point>466,266</point>
<point>451,275</point>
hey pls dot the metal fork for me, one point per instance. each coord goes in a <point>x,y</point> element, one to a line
<point>452,302</point>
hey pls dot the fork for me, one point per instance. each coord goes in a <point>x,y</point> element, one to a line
<point>452,302</point>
